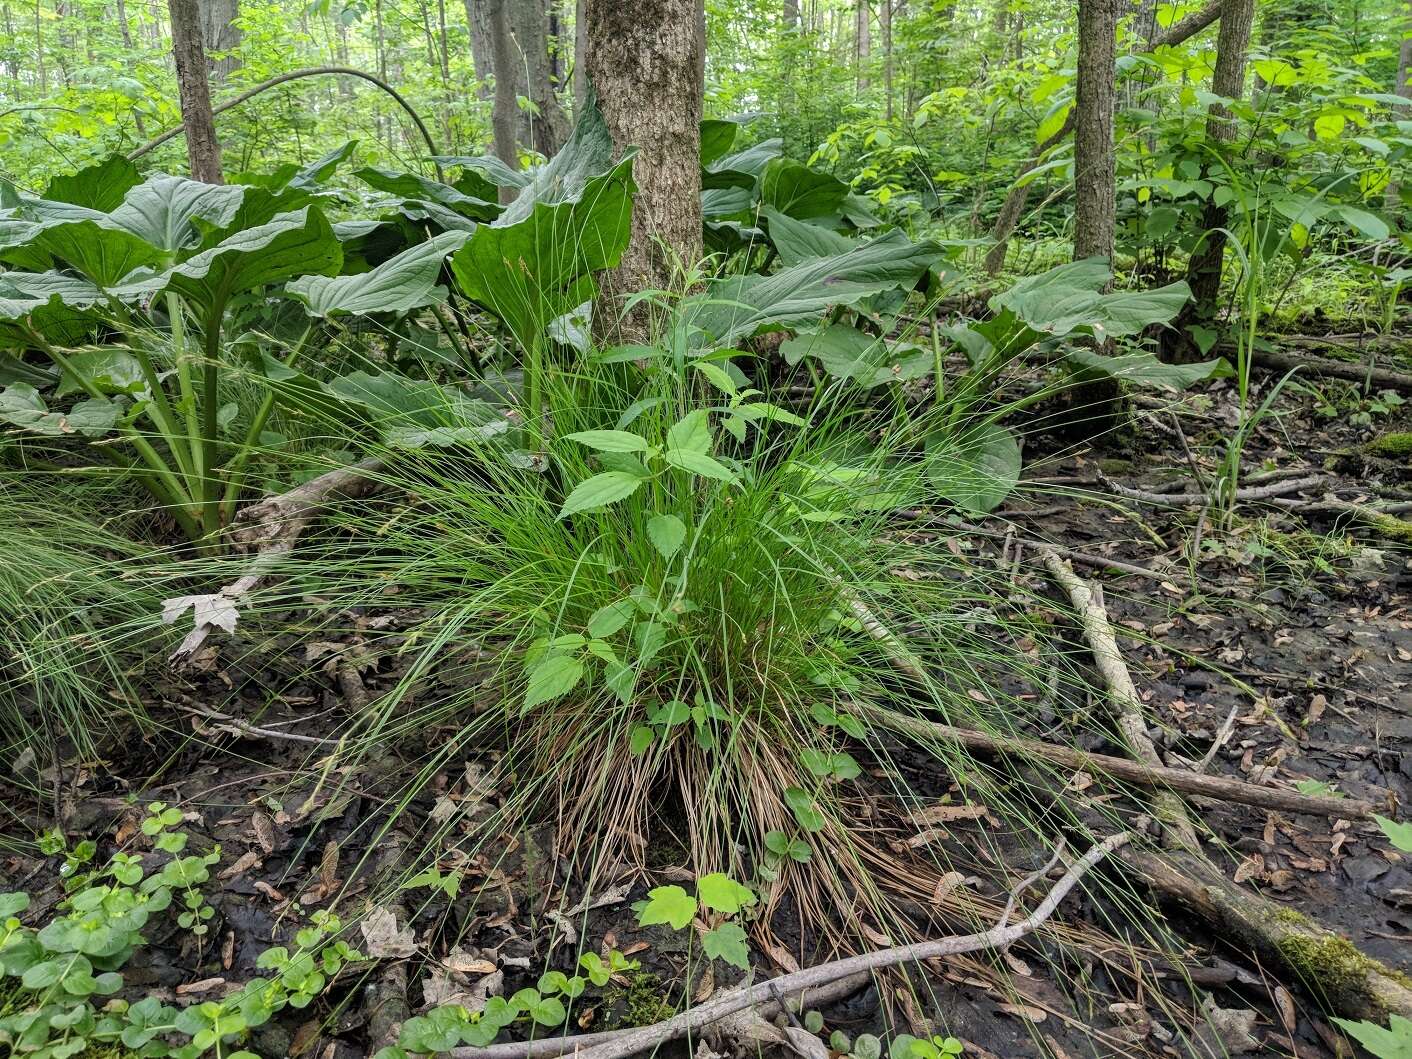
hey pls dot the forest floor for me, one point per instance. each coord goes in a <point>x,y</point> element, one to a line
<point>1279,646</point>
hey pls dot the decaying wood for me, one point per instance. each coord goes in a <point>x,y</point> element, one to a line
<point>1254,492</point>
<point>1382,378</point>
<point>270,529</point>
<point>1123,699</point>
<point>1327,963</point>
<point>696,1019</point>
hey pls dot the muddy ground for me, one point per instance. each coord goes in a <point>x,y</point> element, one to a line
<point>1284,642</point>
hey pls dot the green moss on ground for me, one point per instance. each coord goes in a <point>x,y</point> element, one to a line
<point>644,1001</point>
<point>1393,445</point>
<point>1328,962</point>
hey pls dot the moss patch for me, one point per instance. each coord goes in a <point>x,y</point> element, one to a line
<point>643,1002</point>
<point>1395,444</point>
<point>1330,963</point>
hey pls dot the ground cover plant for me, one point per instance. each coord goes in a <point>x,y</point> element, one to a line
<point>885,535</point>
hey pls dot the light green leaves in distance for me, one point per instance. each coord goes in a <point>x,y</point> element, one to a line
<point>407,281</point>
<point>1070,299</point>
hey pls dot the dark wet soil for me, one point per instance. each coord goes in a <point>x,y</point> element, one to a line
<point>1290,628</point>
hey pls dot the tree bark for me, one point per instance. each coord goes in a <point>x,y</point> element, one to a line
<point>1095,172</point>
<point>791,14</point>
<point>885,26</point>
<point>645,64</point>
<point>529,30</point>
<point>580,58</point>
<point>478,22</point>
<point>505,110</point>
<point>862,42</point>
<point>1404,56</point>
<point>203,150</point>
<point>1227,80</point>
<point>219,33</point>
<point>1015,199</point>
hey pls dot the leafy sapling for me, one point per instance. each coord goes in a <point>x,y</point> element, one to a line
<point>721,898</point>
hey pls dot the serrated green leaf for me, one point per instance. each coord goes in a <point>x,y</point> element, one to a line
<point>720,893</point>
<point>609,440</point>
<point>667,904</point>
<point>553,677</point>
<point>667,533</point>
<point>728,942</point>
<point>696,463</point>
<point>599,491</point>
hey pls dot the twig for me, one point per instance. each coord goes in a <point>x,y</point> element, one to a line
<point>1197,784</point>
<point>225,720</point>
<point>1222,735</point>
<point>631,1042</point>
<point>1123,699</point>
<point>1259,492</point>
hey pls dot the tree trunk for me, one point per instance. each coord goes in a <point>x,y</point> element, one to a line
<point>529,28</point>
<point>482,57</point>
<point>1227,80</point>
<point>791,14</point>
<point>580,58</point>
<point>219,33</point>
<point>203,150</point>
<point>862,41</point>
<point>885,25</point>
<point>505,111</point>
<point>1016,198</point>
<point>644,62</point>
<point>1095,175</point>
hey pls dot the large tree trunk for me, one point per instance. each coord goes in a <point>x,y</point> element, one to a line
<point>862,41</point>
<point>504,113</point>
<point>1227,80</point>
<point>885,25</point>
<point>529,27</point>
<point>203,150</point>
<point>219,33</point>
<point>791,14</point>
<point>644,62</point>
<point>1017,196</point>
<point>478,21</point>
<point>1095,173</point>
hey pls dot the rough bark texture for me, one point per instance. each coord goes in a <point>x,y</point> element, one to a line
<point>791,14</point>
<point>504,113</point>
<point>580,57</point>
<point>219,33</point>
<point>862,42</point>
<point>1095,173</point>
<point>1015,200</point>
<point>644,62</point>
<point>1227,80</point>
<point>529,30</point>
<point>478,19</point>
<point>203,150</point>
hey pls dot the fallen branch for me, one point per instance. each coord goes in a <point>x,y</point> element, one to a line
<point>631,1042</point>
<point>270,529</point>
<point>1156,777</point>
<point>1123,700</point>
<point>1254,492</point>
<point>1383,378</point>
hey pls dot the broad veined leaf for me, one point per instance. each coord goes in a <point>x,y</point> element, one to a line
<point>1395,1042</point>
<point>977,469</point>
<point>489,168</point>
<point>99,187</point>
<point>728,942</point>
<point>414,413</point>
<point>743,168</point>
<point>667,904</point>
<point>847,353</point>
<point>56,305</point>
<point>721,893</point>
<point>609,440</point>
<point>1069,299</point>
<point>667,533</point>
<point>717,137</point>
<point>164,209</point>
<point>292,244</point>
<point>1366,224</point>
<point>111,369</point>
<point>740,306</point>
<point>798,241</point>
<point>599,491</point>
<point>407,281</point>
<point>796,190</point>
<point>416,188</point>
<point>21,405</point>
<point>319,170</point>
<point>566,177</point>
<point>552,677</point>
<point>1145,369</point>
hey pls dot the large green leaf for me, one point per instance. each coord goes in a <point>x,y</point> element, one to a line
<point>1145,369</point>
<point>163,209</point>
<point>535,262</point>
<point>847,353</point>
<point>1070,299</point>
<point>52,303</point>
<point>717,137</point>
<point>39,233</point>
<point>741,306</point>
<point>413,413</point>
<point>21,405</point>
<point>743,168</point>
<point>99,187</point>
<point>292,244</point>
<point>977,469</point>
<point>799,191</point>
<point>407,281</point>
<point>416,188</point>
<point>798,241</point>
<point>492,170</point>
